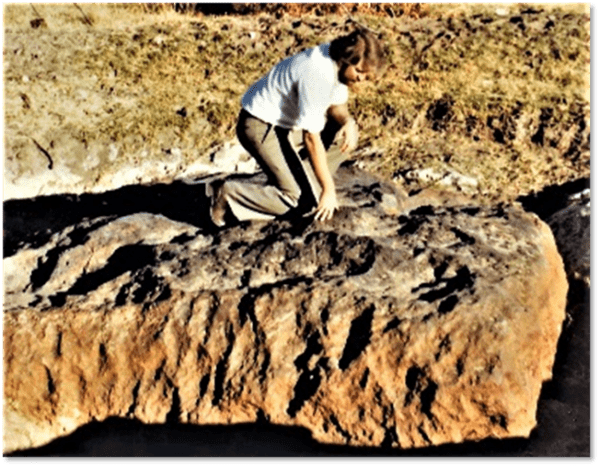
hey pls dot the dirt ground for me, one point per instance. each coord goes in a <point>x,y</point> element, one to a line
<point>100,96</point>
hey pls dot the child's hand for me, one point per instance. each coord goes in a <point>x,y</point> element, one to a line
<point>327,206</point>
<point>349,133</point>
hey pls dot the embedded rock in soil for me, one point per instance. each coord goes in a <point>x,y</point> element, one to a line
<point>389,326</point>
<point>571,228</point>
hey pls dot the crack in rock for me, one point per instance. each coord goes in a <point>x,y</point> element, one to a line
<point>358,337</point>
<point>310,379</point>
<point>221,369</point>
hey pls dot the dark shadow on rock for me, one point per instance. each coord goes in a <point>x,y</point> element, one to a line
<point>33,221</point>
<point>552,198</point>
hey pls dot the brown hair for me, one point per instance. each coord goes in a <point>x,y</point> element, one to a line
<point>359,44</point>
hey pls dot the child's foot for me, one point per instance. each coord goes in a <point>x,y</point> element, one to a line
<point>218,204</point>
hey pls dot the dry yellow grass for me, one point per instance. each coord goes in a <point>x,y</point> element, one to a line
<point>499,93</point>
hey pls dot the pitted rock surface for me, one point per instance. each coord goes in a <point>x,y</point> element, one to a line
<point>571,228</point>
<point>402,322</point>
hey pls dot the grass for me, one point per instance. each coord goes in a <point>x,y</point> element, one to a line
<point>502,96</point>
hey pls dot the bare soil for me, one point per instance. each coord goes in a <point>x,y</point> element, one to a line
<point>100,96</point>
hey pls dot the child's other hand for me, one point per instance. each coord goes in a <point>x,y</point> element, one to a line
<point>327,206</point>
<point>349,133</point>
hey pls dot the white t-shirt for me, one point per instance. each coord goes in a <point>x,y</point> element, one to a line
<point>297,92</point>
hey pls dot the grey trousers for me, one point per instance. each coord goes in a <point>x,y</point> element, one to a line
<point>291,183</point>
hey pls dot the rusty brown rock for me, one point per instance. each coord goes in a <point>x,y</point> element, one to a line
<point>385,327</point>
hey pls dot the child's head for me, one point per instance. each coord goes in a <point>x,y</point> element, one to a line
<point>360,47</point>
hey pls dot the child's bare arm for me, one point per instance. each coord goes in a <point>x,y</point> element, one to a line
<point>349,128</point>
<point>318,158</point>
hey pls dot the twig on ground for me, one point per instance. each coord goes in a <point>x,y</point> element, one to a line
<point>38,21</point>
<point>45,153</point>
<point>86,19</point>
<point>35,11</point>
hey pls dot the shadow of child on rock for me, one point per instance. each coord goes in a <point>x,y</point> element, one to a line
<point>31,222</point>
